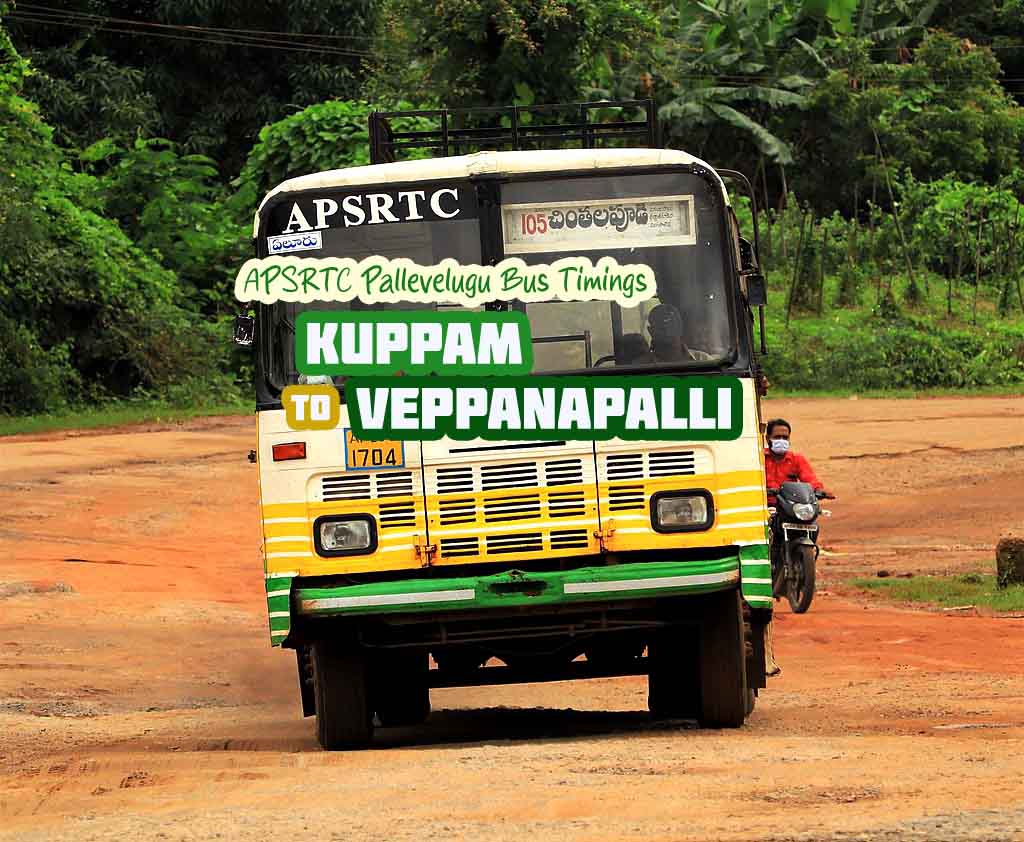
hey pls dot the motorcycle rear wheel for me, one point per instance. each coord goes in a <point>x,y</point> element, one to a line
<point>800,587</point>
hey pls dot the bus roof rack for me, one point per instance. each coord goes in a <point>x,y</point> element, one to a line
<point>514,127</point>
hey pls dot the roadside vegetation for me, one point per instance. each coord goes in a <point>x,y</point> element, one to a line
<point>883,139</point>
<point>960,591</point>
<point>115,415</point>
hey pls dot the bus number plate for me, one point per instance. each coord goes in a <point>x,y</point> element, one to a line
<point>372,455</point>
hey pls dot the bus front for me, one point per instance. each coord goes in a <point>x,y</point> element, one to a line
<point>509,561</point>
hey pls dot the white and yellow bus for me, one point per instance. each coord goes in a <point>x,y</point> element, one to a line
<point>396,567</point>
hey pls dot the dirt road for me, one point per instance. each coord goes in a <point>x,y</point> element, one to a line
<point>139,698</point>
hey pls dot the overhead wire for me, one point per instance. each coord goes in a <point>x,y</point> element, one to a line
<point>39,8</point>
<point>285,41</point>
<point>100,24</point>
<point>249,43</point>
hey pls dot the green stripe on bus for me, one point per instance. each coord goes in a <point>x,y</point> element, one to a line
<point>756,589</point>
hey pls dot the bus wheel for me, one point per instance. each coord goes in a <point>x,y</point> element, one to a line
<point>400,692</point>
<point>723,673</point>
<point>673,684</point>
<point>306,692</point>
<point>343,717</point>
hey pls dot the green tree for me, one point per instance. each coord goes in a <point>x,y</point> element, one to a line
<point>89,98</point>
<point>83,312</point>
<point>994,23</point>
<point>172,207</point>
<point>736,75</point>
<point>943,112</point>
<point>328,136</point>
<point>209,88</point>
<point>496,52</point>
<point>726,72</point>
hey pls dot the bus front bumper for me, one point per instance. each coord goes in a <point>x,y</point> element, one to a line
<point>516,588</point>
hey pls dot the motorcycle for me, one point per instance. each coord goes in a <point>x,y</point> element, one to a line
<point>794,542</point>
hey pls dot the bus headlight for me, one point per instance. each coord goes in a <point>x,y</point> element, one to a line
<point>339,535</point>
<point>681,511</point>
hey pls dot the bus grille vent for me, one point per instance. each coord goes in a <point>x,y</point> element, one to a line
<point>566,504</point>
<point>397,514</point>
<point>624,466</point>
<point>519,475</point>
<point>455,481</point>
<point>516,507</point>
<point>366,486</point>
<point>460,510</point>
<point>565,539</point>
<point>457,547</point>
<point>563,471</point>
<point>668,463</point>
<point>394,484</point>
<point>346,487</point>
<point>626,498</point>
<point>520,542</point>
<point>671,463</point>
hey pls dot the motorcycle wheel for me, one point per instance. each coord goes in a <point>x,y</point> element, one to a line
<point>800,587</point>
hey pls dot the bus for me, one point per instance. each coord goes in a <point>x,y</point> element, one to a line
<point>393,568</point>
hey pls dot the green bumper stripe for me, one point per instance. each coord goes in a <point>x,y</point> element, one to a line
<point>279,623</point>
<point>588,584</point>
<point>754,551</point>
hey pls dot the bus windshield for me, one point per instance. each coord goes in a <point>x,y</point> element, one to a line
<point>675,223</point>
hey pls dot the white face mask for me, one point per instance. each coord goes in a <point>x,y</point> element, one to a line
<point>779,446</point>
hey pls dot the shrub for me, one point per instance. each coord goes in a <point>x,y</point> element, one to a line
<point>891,351</point>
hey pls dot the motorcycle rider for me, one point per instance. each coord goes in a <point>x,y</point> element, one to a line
<point>783,465</point>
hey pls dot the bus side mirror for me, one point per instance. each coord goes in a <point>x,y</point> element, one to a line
<point>244,330</point>
<point>757,290</point>
<point>748,261</point>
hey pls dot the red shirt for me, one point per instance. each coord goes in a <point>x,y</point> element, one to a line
<point>790,468</point>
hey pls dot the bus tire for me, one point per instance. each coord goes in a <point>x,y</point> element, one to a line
<point>673,682</point>
<point>723,662</point>
<point>400,692</point>
<point>306,692</point>
<point>343,716</point>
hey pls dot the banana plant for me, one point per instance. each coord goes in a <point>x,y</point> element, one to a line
<point>734,64</point>
<point>731,66</point>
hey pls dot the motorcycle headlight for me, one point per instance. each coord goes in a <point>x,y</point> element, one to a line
<point>805,511</point>
<point>681,512</point>
<point>344,535</point>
